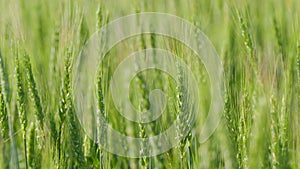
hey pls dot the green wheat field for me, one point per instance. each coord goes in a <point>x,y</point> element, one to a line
<point>258,42</point>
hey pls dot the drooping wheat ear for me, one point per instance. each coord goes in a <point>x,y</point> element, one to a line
<point>76,155</point>
<point>244,131</point>
<point>37,109</point>
<point>4,80</point>
<point>20,95</point>
<point>64,105</point>
<point>4,123</point>
<point>6,120</point>
<point>100,89</point>
<point>65,93</point>
<point>274,135</point>
<point>21,105</point>
<point>68,119</point>
<point>100,112</point>
<point>278,35</point>
<point>102,19</point>
<point>33,92</point>
<point>182,106</point>
<point>248,43</point>
<point>179,105</point>
<point>99,18</point>
<point>247,36</point>
<point>4,126</point>
<point>143,106</point>
<point>233,90</point>
<point>83,31</point>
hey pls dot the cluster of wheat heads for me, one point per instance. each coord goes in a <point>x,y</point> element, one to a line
<point>258,42</point>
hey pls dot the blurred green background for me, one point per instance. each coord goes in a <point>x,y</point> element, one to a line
<point>258,42</point>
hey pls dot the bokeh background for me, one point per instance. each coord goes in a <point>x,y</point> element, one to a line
<point>257,41</point>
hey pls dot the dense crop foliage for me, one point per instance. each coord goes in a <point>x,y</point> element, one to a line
<point>257,41</point>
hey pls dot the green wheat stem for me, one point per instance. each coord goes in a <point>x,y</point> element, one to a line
<point>5,94</point>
